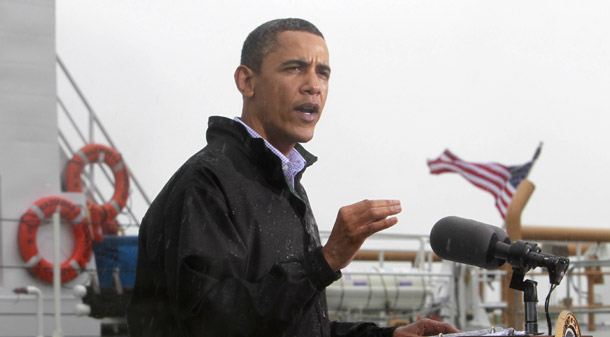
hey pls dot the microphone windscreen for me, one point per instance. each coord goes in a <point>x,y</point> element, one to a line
<point>467,241</point>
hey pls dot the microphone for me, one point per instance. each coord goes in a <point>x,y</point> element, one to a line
<point>475,243</point>
<point>467,241</point>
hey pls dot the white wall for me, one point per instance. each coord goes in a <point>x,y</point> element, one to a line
<point>29,165</point>
<point>29,160</point>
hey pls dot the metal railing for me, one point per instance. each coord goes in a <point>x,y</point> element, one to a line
<point>94,125</point>
<point>481,286</point>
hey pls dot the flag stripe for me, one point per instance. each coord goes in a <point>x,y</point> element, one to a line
<point>497,175</point>
<point>499,170</point>
<point>492,177</point>
<point>480,181</point>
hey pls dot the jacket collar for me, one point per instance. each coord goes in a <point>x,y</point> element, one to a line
<point>227,130</point>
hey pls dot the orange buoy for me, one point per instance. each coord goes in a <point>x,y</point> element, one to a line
<point>97,153</point>
<point>28,227</point>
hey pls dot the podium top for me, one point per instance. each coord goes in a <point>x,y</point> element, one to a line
<point>566,326</point>
<point>493,331</point>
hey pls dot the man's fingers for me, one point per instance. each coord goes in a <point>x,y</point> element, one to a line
<point>364,205</point>
<point>354,224</point>
<point>379,209</point>
<point>359,215</point>
<point>381,213</point>
<point>424,327</point>
<point>432,327</point>
<point>380,225</point>
<point>372,216</point>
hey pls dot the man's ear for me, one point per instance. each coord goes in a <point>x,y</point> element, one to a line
<point>244,79</point>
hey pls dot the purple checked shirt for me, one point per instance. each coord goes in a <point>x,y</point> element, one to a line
<point>291,164</point>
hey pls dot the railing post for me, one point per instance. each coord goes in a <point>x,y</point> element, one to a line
<point>57,273</point>
<point>513,228</point>
<point>594,276</point>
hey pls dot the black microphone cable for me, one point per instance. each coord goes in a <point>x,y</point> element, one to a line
<point>546,308</point>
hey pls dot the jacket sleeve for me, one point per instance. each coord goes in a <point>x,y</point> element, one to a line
<point>206,260</point>
<point>360,329</point>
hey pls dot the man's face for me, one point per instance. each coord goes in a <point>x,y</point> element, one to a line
<point>290,90</point>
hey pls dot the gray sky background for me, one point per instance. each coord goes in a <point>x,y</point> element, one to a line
<point>487,79</point>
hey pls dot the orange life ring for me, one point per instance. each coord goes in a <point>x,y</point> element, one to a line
<point>111,228</point>
<point>28,227</point>
<point>97,153</point>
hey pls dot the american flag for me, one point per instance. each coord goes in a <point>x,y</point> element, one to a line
<point>499,180</point>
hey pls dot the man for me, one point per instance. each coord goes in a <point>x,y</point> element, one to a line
<point>230,246</point>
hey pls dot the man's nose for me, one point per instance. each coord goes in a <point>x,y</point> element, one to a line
<point>312,84</point>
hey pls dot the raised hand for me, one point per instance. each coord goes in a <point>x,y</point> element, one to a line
<point>354,224</point>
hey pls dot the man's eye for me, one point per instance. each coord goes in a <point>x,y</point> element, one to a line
<point>294,69</point>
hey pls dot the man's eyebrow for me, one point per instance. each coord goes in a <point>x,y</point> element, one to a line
<point>295,62</point>
<point>324,67</point>
<point>303,63</point>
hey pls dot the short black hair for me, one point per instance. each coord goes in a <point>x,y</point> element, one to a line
<point>262,40</point>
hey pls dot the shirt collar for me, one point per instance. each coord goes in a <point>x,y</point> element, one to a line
<point>291,164</point>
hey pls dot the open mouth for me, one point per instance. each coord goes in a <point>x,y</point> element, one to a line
<point>308,108</point>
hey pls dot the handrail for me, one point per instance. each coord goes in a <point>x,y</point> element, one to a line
<point>565,233</point>
<point>72,121</point>
<point>94,121</point>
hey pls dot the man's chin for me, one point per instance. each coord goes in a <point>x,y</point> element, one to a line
<point>305,138</point>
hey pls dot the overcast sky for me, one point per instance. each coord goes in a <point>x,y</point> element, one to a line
<point>487,79</point>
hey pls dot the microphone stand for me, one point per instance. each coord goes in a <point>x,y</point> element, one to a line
<point>530,300</point>
<point>524,256</point>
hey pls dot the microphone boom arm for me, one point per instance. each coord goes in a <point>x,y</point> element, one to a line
<point>523,256</point>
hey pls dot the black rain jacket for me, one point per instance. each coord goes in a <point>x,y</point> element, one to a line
<point>230,248</point>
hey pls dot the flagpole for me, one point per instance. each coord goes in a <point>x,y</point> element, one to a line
<point>515,208</point>
<point>513,228</point>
